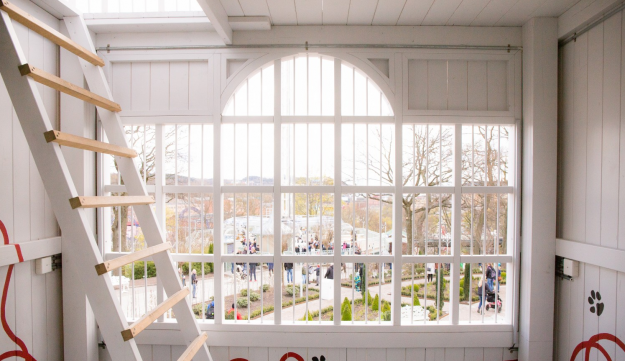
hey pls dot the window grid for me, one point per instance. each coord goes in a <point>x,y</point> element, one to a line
<point>338,253</point>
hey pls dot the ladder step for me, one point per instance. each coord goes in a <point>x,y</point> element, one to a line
<point>66,87</point>
<point>153,315</point>
<point>75,141</point>
<point>105,201</point>
<point>49,33</point>
<point>107,266</point>
<point>193,347</point>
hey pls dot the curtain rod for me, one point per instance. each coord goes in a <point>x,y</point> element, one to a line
<point>312,46</point>
<point>591,25</point>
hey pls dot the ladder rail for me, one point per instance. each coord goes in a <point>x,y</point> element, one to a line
<point>111,122</point>
<point>59,186</point>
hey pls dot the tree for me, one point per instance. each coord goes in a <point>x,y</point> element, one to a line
<point>467,280</point>
<point>346,310</point>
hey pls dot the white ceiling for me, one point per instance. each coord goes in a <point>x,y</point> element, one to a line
<point>398,12</point>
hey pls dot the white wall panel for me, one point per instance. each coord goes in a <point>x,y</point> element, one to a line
<point>33,302</point>
<point>179,87</point>
<point>459,85</point>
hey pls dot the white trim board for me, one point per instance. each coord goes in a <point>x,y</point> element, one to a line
<point>588,253</point>
<point>30,250</point>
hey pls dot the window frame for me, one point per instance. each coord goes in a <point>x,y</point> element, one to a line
<point>499,331</point>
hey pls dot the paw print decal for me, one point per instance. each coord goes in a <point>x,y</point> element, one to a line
<point>595,297</point>
<point>322,358</point>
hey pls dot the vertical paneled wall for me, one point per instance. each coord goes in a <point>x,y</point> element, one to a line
<point>33,308</point>
<point>591,176</point>
<point>171,353</point>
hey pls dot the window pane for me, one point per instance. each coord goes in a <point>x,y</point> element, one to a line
<point>254,292</point>
<point>485,226</point>
<point>307,150</point>
<point>425,293</point>
<point>308,221</point>
<point>367,224</point>
<point>371,159</point>
<point>483,288</point>
<point>428,155</point>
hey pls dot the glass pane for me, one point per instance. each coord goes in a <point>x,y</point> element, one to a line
<point>308,292</point>
<point>483,292</point>
<point>367,292</point>
<point>254,292</point>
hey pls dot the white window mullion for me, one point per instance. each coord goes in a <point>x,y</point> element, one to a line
<point>277,196</point>
<point>217,195</point>
<point>159,195</point>
<point>456,233</point>
<point>397,199</point>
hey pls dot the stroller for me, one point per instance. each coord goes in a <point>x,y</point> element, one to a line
<point>490,302</point>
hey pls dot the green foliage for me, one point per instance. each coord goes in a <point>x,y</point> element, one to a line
<point>346,310</point>
<point>256,313</point>
<point>289,289</point>
<point>405,291</point>
<point>242,302</point>
<point>415,301</point>
<point>139,270</point>
<point>369,299</point>
<point>433,313</point>
<point>230,315</point>
<point>244,292</point>
<point>503,278</point>
<point>375,304</point>
<point>363,279</point>
<point>307,316</point>
<point>197,266</point>
<point>265,287</point>
<point>254,296</point>
<point>386,307</point>
<point>441,284</point>
<point>466,281</point>
<point>386,316</point>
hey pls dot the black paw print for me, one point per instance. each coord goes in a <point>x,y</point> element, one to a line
<point>595,297</point>
<point>322,358</point>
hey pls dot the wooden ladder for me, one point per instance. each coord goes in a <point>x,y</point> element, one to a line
<point>44,142</point>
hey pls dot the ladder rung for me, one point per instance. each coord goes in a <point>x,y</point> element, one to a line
<point>107,266</point>
<point>75,141</point>
<point>66,87</point>
<point>153,315</point>
<point>193,347</point>
<point>49,33</point>
<point>105,201</point>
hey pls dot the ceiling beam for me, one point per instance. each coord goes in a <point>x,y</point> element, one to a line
<point>218,18</point>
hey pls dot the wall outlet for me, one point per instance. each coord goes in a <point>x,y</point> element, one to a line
<point>43,265</point>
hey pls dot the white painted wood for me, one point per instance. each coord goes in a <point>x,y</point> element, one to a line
<point>611,112</point>
<point>417,94</point>
<point>253,8</point>
<point>477,82</point>
<point>219,353</point>
<point>49,158</point>
<point>437,84</point>
<point>497,85</point>
<point>435,354</point>
<point>440,12</point>
<point>620,313</point>
<point>30,250</point>
<point>153,235</point>
<point>282,12</point>
<point>396,354</point>
<point>335,12</point>
<point>466,12</point>
<point>474,354</point>
<point>458,87</point>
<point>389,12</point>
<point>257,354</point>
<point>308,12</point>
<point>621,199</point>
<point>238,352</point>
<point>594,142</point>
<point>609,298</point>
<point>492,13</point>
<point>415,354</point>
<point>582,13</point>
<point>494,354</point>
<point>140,86</point>
<point>592,254</point>
<point>159,81</point>
<point>361,12</point>
<point>179,86</point>
<point>122,90</point>
<point>591,321</point>
<point>215,12</point>
<point>454,354</point>
<point>540,64</point>
<point>414,12</point>
<point>199,86</point>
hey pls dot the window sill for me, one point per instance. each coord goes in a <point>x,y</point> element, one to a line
<point>353,336</point>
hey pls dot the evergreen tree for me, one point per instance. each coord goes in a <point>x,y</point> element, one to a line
<point>346,310</point>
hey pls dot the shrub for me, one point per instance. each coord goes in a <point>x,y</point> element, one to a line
<point>346,310</point>
<point>289,289</point>
<point>307,316</point>
<point>405,291</point>
<point>386,316</point>
<point>415,301</point>
<point>139,270</point>
<point>503,278</point>
<point>230,315</point>
<point>244,292</point>
<point>197,266</point>
<point>242,302</point>
<point>265,287</point>
<point>254,296</point>
<point>369,299</point>
<point>386,307</point>
<point>375,303</point>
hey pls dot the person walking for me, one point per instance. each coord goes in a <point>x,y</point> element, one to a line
<point>194,281</point>
<point>431,269</point>
<point>270,267</point>
<point>181,275</point>
<point>289,272</point>
<point>482,290</point>
<point>490,276</point>
<point>253,266</point>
